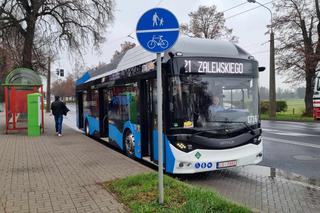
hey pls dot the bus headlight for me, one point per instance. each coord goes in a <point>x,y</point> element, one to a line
<point>257,140</point>
<point>183,146</point>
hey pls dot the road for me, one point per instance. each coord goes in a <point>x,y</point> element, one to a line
<point>292,146</point>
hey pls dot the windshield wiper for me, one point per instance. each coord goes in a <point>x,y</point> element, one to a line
<point>240,122</point>
<point>203,131</point>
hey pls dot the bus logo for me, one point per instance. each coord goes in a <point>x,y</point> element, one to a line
<point>197,155</point>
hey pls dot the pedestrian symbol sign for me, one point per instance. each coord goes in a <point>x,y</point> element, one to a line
<point>157,30</point>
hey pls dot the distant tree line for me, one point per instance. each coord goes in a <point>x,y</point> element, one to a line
<point>298,93</point>
<point>64,88</point>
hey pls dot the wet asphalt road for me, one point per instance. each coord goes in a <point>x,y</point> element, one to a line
<point>292,146</point>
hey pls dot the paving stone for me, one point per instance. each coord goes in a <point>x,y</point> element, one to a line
<point>59,174</point>
<point>64,174</point>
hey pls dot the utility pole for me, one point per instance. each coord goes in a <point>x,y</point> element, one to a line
<point>272,77</point>
<point>48,85</point>
<point>272,80</point>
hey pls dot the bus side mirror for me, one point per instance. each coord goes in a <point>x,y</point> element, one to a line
<point>261,69</point>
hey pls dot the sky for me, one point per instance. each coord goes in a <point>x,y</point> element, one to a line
<point>250,27</point>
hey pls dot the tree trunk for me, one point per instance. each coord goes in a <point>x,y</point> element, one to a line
<point>309,93</point>
<point>28,45</point>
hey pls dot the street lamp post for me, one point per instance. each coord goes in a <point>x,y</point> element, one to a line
<point>272,79</point>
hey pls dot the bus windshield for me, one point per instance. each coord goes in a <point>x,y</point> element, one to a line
<point>207,101</point>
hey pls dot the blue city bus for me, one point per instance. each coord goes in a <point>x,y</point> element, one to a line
<point>118,104</point>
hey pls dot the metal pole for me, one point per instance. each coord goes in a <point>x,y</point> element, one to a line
<point>160,142</point>
<point>48,86</point>
<point>272,80</point>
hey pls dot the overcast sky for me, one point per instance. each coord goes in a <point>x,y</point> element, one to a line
<point>250,27</point>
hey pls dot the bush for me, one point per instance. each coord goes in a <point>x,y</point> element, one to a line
<point>281,106</point>
<point>264,106</point>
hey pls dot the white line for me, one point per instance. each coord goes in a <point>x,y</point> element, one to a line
<point>292,142</point>
<point>287,133</point>
<point>158,30</point>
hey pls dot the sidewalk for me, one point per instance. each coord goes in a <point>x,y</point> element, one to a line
<point>64,174</point>
<point>59,174</point>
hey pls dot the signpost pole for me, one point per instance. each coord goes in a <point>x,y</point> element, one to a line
<point>160,141</point>
<point>157,31</point>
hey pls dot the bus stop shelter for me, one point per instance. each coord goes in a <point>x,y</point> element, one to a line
<point>18,84</point>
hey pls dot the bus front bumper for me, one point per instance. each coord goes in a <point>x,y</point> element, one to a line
<point>201,160</point>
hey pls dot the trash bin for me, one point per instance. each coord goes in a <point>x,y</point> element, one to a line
<point>34,114</point>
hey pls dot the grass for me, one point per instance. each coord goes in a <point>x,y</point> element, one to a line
<point>295,105</point>
<point>294,112</point>
<point>139,193</point>
<point>288,117</point>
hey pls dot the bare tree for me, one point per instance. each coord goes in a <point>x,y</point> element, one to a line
<point>127,45</point>
<point>6,65</point>
<point>207,22</point>
<point>64,88</point>
<point>298,42</point>
<point>46,26</point>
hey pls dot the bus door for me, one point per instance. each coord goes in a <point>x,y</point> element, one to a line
<point>147,116</point>
<point>103,116</point>
<point>79,110</point>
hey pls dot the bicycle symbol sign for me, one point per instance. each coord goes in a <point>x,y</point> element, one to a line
<point>157,30</point>
<point>158,41</point>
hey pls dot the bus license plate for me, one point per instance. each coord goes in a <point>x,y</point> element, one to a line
<point>226,164</point>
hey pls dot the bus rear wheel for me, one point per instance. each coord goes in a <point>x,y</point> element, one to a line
<point>129,143</point>
<point>86,128</point>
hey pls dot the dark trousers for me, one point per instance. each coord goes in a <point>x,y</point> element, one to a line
<point>58,119</point>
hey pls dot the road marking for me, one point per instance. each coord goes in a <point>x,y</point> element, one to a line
<point>278,132</point>
<point>292,142</point>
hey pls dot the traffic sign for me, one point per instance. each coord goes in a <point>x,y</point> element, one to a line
<point>157,30</point>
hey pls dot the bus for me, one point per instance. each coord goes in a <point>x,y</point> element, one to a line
<point>316,97</point>
<point>118,104</point>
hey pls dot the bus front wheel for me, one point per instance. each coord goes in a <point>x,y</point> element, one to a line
<point>129,143</point>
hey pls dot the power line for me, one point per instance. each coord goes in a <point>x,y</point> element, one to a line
<point>247,10</point>
<point>260,52</point>
<point>254,44</point>
<point>130,34</point>
<point>231,8</point>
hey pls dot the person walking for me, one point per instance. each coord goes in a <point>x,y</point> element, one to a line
<point>58,109</point>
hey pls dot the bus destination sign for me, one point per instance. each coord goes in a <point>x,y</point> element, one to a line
<point>217,67</point>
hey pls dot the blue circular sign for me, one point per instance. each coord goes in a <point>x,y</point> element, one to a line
<point>197,165</point>
<point>203,165</point>
<point>157,30</point>
<point>209,165</point>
